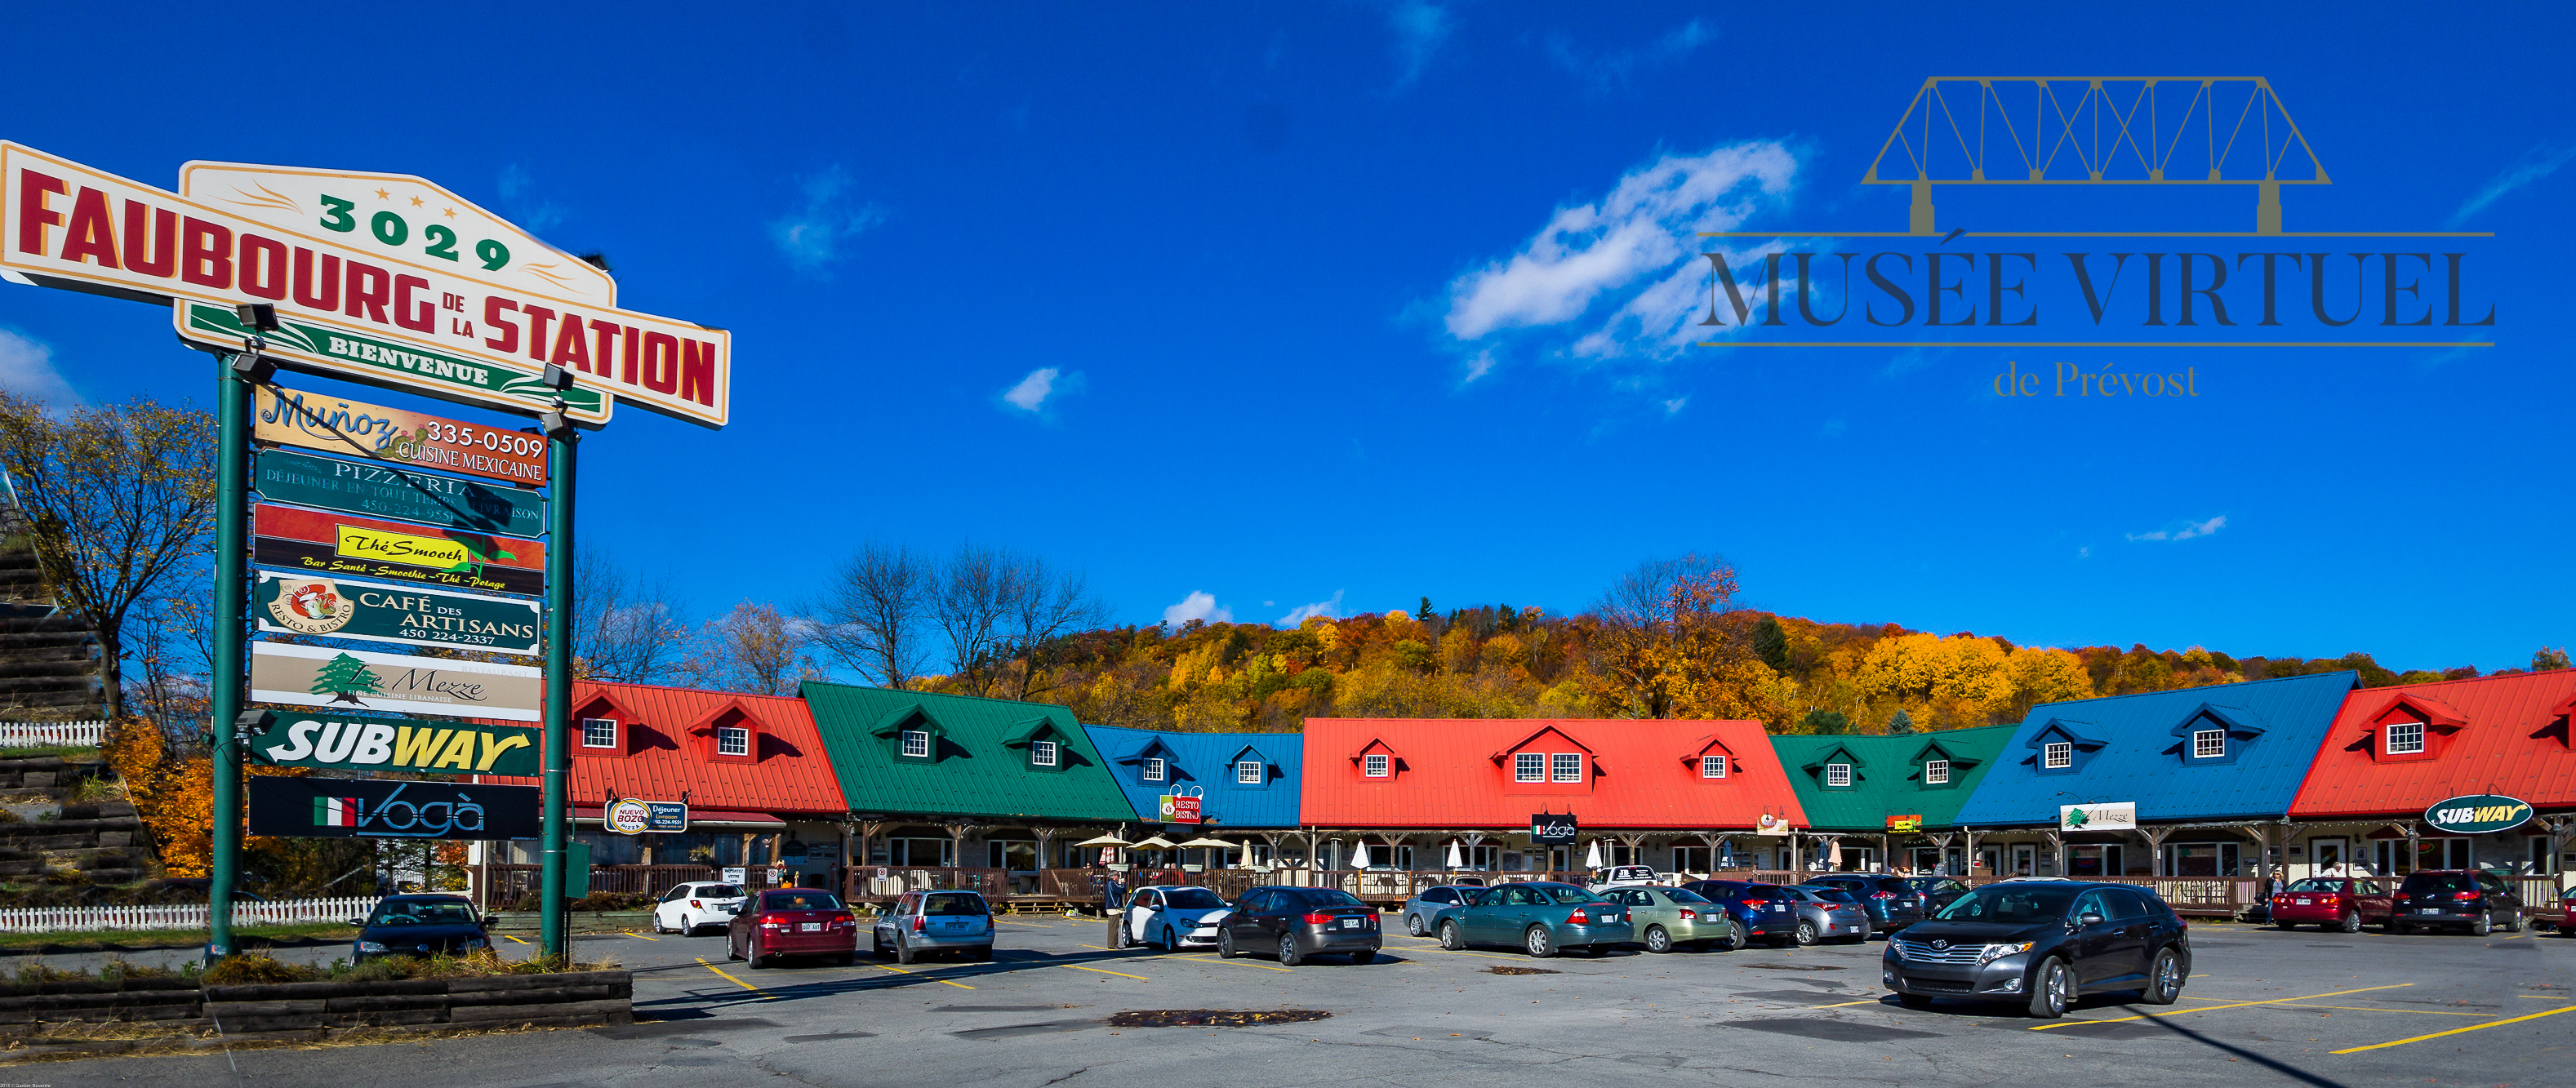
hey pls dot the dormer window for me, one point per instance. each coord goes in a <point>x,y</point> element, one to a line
<point>1529,767</point>
<point>2208,743</point>
<point>1712,766</point>
<point>599,733</point>
<point>916,743</point>
<point>1248,772</point>
<point>1374,766</point>
<point>2058,756</point>
<point>1567,766</point>
<point>2405,738</point>
<point>733,740</point>
<point>1838,774</point>
<point>1936,772</point>
<point>1153,769</point>
<point>1042,753</point>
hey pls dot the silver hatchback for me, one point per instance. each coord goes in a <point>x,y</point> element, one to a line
<point>920,923</point>
<point>1828,914</point>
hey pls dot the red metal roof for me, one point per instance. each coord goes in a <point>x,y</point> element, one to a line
<point>1457,773</point>
<point>2495,734</point>
<point>665,749</point>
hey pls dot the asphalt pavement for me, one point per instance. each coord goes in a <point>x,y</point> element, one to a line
<point>2262,1007</point>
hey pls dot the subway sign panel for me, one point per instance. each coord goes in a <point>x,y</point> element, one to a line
<point>2478,814</point>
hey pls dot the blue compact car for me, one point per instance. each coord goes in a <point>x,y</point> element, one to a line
<point>1764,910</point>
<point>419,925</point>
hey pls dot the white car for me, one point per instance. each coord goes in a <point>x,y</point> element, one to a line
<point>688,908</point>
<point>1169,916</point>
<point>1628,876</point>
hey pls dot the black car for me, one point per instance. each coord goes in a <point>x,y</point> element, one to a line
<point>1300,922</point>
<point>419,925</point>
<point>1892,903</point>
<point>1937,891</point>
<point>1764,910</point>
<point>2042,944</point>
<point>2473,899</point>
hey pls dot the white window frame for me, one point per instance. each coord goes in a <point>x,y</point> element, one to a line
<point>587,734</point>
<point>1936,772</point>
<point>1838,774</point>
<point>1042,753</point>
<point>908,736</point>
<point>733,740</point>
<point>1153,770</point>
<point>1529,767</point>
<point>2057,755</point>
<point>1375,766</point>
<point>1565,767</point>
<point>2208,743</point>
<point>2413,743</point>
<point>1712,766</point>
<point>1247,772</point>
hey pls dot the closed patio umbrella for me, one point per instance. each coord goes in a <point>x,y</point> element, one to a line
<point>1593,861</point>
<point>1834,855</point>
<point>1359,855</point>
<point>1455,860</point>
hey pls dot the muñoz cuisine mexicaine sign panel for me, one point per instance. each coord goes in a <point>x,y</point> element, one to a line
<point>340,608</point>
<point>356,428</point>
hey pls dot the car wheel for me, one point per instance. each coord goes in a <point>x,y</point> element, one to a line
<point>1658,941</point>
<point>1117,937</point>
<point>1914,1001</point>
<point>658,927</point>
<point>2351,921</point>
<point>1225,943</point>
<point>731,952</point>
<point>2052,989</point>
<point>2514,924</point>
<point>1449,937</point>
<point>1413,925</point>
<point>2484,925</point>
<point>876,944</point>
<point>1289,955</point>
<point>1364,956</point>
<point>755,957</point>
<point>846,958</point>
<point>1171,941</point>
<point>1733,938</point>
<point>2164,978</point>
<point>1806,934</point>
<point>1538,943</point>
<point>903,952</point>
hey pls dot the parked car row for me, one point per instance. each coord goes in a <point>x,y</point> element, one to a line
<point>2474,901</point>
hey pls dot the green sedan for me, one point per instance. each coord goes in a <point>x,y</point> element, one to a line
<point>1667,918</point>
<point>1542,917</point>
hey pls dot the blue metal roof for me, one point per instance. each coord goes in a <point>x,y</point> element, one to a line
<point>2228,751</point>
<point>1205,764</point>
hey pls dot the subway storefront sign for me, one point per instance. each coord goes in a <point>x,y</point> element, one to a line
<point>417,745</point>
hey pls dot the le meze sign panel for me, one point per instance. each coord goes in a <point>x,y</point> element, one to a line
<point>319,676</point>
<point>2108,816</point>
<point>300,604</point>
<point>358,429</point>
<point>381,808</point>
<point>416,745</point>
<point>322,543</point>
<point>386,279</point>
<point>369,487</point>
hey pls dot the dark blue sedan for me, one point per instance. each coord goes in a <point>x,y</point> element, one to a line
<point>419,925</point>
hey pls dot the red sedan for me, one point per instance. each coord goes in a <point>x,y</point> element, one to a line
<point>793,922</point>
<point>2333,902</point>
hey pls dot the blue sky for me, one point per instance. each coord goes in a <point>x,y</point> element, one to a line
<point>1349,304</point>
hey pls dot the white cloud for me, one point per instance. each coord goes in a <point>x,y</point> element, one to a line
<point>1197,606</point>
<point>27,369</point>
<point>1479,365</point>
<point>1675,404</point>
<point>1032,390</point>
<point>2534,166</point>
<point>1635,245</point>
<point>1420,28</point>
<point>1297,615</point>
<point>519,198</point>
<point>1613,69</point>
<point>2189,530</point>
<point>2084,553</point>
<point>819,231</point>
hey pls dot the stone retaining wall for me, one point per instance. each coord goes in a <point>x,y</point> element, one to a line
<point>155,1014</point>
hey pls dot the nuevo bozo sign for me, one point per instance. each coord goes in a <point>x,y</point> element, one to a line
<point>2478,814</point>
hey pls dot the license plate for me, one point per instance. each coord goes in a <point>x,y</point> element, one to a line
<point>809,927</point>
<point>1350,923</point>
<point>1855,929</point>
<point>2305,903</point>
<point>2430,910</point>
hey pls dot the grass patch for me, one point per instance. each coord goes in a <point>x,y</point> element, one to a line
<point>96,940</point>
<point>78,753</point>
<point>482,962</point>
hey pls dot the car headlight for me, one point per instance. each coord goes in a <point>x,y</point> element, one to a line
<point>1995,952</point>
<point>370,946</point>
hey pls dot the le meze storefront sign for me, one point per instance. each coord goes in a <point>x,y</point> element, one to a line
<point>340,608</point>
<point>358,429</point>
<point>417,745</point>
<point>319,676</point>
<point>2109,816</point>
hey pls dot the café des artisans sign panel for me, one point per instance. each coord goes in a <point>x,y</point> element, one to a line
<point>298,604</point>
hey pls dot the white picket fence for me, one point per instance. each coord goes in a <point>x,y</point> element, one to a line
<point>181,915</point>
<point>51,734</point>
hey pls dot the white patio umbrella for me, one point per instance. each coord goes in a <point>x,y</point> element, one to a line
<point>1456,861</point>
<point>1359,855</point>
<point>1156,843</point>
<point>1834,854</point>
<point>1593,860</point>
<point>1204,842</point>
<point>1102,840</point>
<point>1247,854</point>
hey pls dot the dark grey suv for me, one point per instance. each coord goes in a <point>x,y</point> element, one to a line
<point>2474,900</point>
<point>1300,922</point>
<point>2042,944</point>
<point>1892,903</point>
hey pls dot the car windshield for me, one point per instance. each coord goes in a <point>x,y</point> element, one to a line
<point>2313,884</point>
<point>1191,899</point>
<point>953,903</point>
<point>423,912</point>
<point>1328,897</point>
<point>719,891</point>
<point>2014,904</point>
<point>1565,893</point>
<point>1684,895</point>
<point>802,901</point>
<point>2440,882</point>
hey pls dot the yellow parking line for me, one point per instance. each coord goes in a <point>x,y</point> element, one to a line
<point>1202,958</point>
<point>2214,1008</point>
<point>2540,997</point>
<point>514,938</point>
<point>1487,955</point>
<point>901,971</point>
<point>641,937</point>
<point>1095,970</point>
<point>2455,1031</point>
<point>2358,1008</point>
<point>738,982</point>
<point>1846,1004</point>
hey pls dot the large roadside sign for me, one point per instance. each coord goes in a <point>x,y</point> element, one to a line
<point>337,425</point>
<point>384,279</point>
<point>441,746</point>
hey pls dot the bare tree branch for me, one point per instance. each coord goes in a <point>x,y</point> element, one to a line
<point>624,626</point>
<point>870,617</point>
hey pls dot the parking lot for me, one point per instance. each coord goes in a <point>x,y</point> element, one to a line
<point>2262,1006</point>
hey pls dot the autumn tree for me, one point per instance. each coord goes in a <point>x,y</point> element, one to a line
<point>624,626</point>
<point>121,500</point>
<point>1667,642</point>
<point>753,648</point>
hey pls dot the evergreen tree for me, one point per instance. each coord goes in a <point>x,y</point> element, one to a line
<point>1771,644</point>
<point>344,678</point>
<point>1901,723</point>
<point>1823,722</point>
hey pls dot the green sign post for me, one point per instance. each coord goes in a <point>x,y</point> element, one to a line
<point>360,487</point>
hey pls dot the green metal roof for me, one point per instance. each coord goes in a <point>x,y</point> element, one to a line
<point>1887,775</point>
<point>980,763</point>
